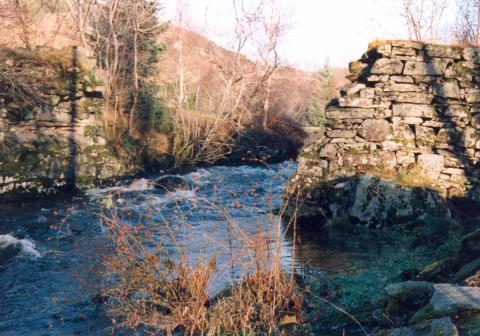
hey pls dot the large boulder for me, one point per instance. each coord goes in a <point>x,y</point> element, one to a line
<point>412,293</point>
<point>371,201</point>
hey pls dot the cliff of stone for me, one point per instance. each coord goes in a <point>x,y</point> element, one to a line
<point>412,116</point>
<point>51,132</point>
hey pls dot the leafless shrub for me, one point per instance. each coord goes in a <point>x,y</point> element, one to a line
<point>423,18</point>
<point>154,288</point>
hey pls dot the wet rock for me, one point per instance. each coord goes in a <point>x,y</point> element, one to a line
<point>467,270</point>
<point>171,183</point>
<point>471,244</point>
<point>449,299</point>
<point>438,271</point>
<point>411,293</point>
<point>8,250</point>
<point>442,327</point>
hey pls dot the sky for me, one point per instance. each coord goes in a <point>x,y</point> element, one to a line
<point>319,31</point>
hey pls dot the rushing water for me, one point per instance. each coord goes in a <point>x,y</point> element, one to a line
<point>47,250</point>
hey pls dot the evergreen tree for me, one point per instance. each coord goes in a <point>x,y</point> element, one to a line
<point>323,94</point>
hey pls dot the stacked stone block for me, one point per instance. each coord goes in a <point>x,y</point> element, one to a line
<point>411,108</point>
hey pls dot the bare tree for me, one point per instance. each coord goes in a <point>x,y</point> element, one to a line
<point>123,35</point>
<point>423,18</point>
<point>467,24</point>
<point>21,18</point>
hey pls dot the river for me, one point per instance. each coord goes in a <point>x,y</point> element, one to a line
<point>48,263</point>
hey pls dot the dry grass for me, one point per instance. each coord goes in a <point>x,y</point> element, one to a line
<point>154,283</point>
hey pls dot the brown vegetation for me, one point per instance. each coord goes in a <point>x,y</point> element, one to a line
<point>151,287</point>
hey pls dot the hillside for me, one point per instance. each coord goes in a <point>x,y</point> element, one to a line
<point>204,63</point>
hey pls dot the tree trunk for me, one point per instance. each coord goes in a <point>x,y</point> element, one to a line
<point>135,79</point>
<point>266,102</point>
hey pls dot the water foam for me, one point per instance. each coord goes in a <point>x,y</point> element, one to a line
<point>26,247</point>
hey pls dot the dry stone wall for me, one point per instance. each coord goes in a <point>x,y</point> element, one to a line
<point>411,113</point>
<point>55,142</point>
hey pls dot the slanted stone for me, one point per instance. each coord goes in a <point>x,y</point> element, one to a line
<point>433,50</point>
<point>354,88</point>
<point>377,78</point>
<point>349,113</point>
<point>355,102</point>
<point>470,137</point>
<point>407,44</point>
<point>345,133</point>
<point>455,111</point>
<point>395,87</point>
<point>433,124</point>
<point>367,93</point>
<point>472,54</point>
<point>387,66</point>
<point>453,171</point>
<point>433,68</point>
<point>449,299</point>
<point>383,112</point>
<point>413,110</point>
<point>445,137</point>
<point>356,69</point>
<point>475,121</point>
<point>431,165</point>
<point>374,130</point>
<point>472,96</point>
<point>390,146</point>
<point>448,89</point>
<point>425,136</point>
<point>412,120</point>
<point>405,158</point>
<point>413,97</point>
<point>452,162</point>
<point>460,70</point>
<point>328,151</point>
<point>403,51</point>
<point>385,50</point>
<point>402,79</point>
<point>424,79</point>
<point>405,134</point>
